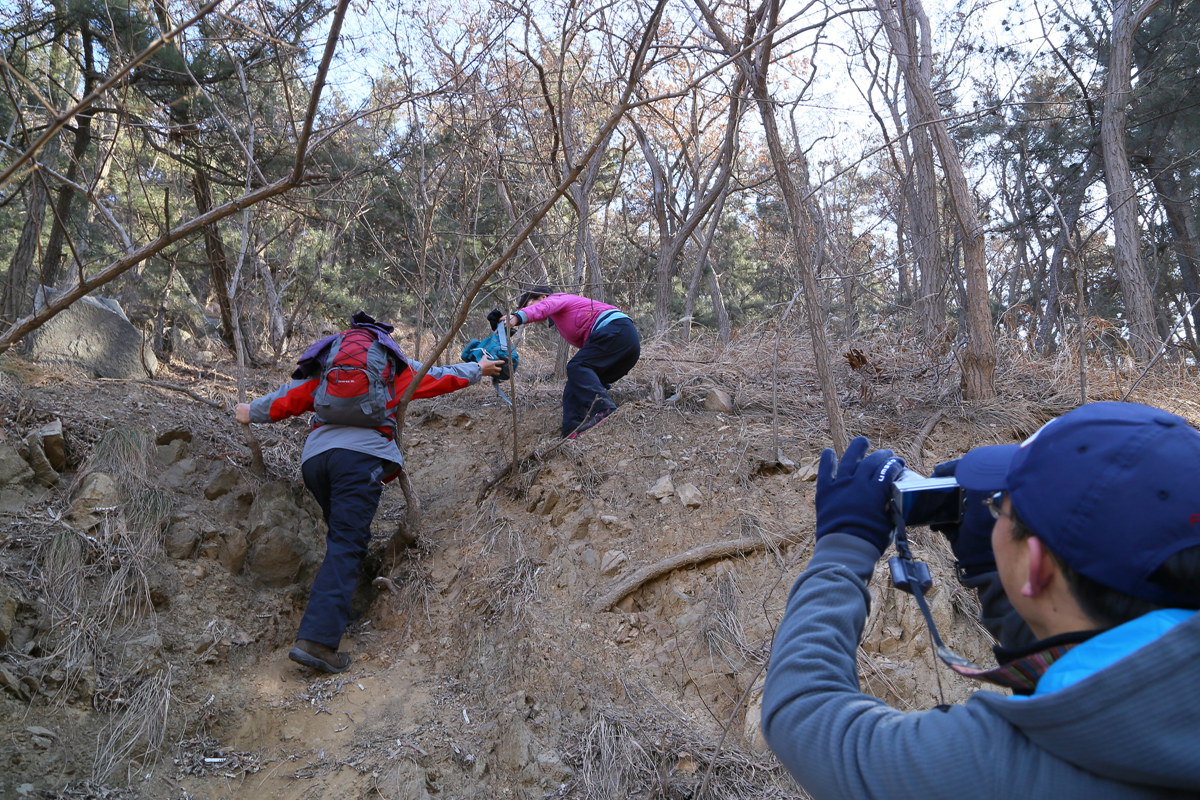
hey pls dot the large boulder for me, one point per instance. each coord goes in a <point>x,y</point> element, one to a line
<point>95,335</point>
<point>283,545</point>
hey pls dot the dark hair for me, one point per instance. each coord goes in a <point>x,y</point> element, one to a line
<point>1108,608</point>
<point>541,290</point>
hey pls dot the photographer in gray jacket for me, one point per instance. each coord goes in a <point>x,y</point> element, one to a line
<point>1093,590</point>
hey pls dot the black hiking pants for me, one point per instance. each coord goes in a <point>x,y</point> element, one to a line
<point>347,486</point>
<point>606,357</point>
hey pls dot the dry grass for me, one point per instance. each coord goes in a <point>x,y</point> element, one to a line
<point>724,632</point>
<point>126,452</point>
<point>658,754</point>
<point>133,736</point>
<point>507,595</point>
<point>97,588</point>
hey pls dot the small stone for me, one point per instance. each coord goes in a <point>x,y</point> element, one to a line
<point>612,562</point>
<point>718,400</point>
<point>690,496</point>
<point>664,487</point>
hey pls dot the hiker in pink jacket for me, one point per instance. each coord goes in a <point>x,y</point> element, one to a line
<point>608,344</point>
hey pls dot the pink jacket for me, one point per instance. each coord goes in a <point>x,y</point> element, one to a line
<point>573,315</point>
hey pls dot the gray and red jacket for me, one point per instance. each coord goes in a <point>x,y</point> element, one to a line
<point>296,398</point>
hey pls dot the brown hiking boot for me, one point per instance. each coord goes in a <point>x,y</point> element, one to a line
<point>319,657</point>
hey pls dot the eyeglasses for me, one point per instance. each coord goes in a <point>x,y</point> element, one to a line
<point>995,504</point>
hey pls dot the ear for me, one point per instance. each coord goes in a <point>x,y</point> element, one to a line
<point>1040,568</point>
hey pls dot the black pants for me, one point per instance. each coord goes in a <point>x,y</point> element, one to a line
<point>605,358</point>
<point>347,486</point>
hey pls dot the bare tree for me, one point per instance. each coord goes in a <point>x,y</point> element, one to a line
<point>753,55</point>
<point>1122,195</point>
<point>900,22</point>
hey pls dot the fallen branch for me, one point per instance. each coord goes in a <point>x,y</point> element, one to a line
<point>688,558</point>
<point>161,385</point>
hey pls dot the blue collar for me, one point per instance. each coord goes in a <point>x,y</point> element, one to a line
<point>1105,649</point>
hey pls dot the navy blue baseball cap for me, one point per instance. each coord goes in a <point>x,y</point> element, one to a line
<point>1112,488</point>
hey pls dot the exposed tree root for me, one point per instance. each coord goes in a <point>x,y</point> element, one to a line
<point>697,555</point>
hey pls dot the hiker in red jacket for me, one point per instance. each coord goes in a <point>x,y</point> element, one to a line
<point>609,346</point>
<point>344,466</point>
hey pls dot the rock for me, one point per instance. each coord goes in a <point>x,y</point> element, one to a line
<point>232,551</point>
<point>14,470</point>
<point>612,562</point>
<point>283,537</point>
<point>98,492</point>
<point>718,400</point>
<point>181,540</point>
<point>223,482</point>
<point>11,684</point>
<point>95,335</point>
<point>690,496</point>
<point>663,488</point>
<point>8,615</point>
<point>551,500</point>
<point>590,557</point>
<point>18,484</point>
<point>278,557</point>
<point>53,444</point>
<point>406,780</point>
<point>172,452</point>
<point>752,724</point>
<point>175,338</point>
<point>808,472</point>
<point>173,435</point>
<point>180,475</point>
<point>515,750</point>
<point>143,653</point>
<point>552,767</point>
<point>35,456</point>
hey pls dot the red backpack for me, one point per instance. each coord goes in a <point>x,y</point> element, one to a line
<point>356,382</point>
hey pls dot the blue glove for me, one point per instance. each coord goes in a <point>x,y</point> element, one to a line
<point>853,494</point>
<point>971,539</point>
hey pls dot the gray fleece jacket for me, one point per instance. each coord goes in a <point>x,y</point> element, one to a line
<point>1131,730</point>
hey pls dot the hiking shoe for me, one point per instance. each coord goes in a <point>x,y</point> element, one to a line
<point>319,657</point>
<point>591,422</point>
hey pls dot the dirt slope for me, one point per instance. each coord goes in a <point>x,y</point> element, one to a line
<point>490,673</point>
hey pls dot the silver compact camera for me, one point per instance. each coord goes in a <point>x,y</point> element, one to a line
<point>917,500</point>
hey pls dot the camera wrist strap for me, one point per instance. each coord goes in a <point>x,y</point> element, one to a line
<point>912,576</point>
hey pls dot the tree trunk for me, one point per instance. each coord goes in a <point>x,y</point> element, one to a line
<point>52,262</point>
<point>802,227</point>
<point>1122,195</point>
<point>214,248</point>
<point>19,289</point>
<point>702,266</point>
<point>724,328</point>
<point>754,62</point>
<point>1181,216</point>
<point>978,358</point>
